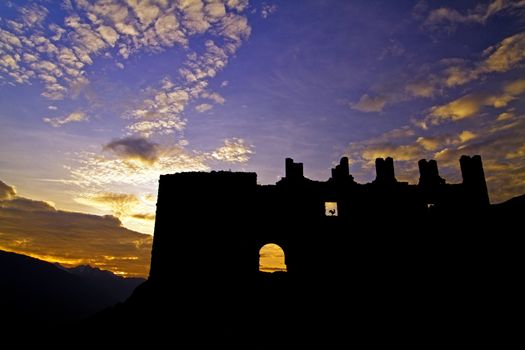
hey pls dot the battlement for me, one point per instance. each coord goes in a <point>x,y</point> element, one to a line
<point>223,218</point>
<point>385,171</point>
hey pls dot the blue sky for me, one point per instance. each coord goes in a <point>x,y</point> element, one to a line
<point>98,98</point>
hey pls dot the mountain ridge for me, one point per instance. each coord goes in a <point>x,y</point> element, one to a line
<point>33,291</point>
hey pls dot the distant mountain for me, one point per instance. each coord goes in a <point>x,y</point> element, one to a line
<point>35,292</point>
<point>118,287</point>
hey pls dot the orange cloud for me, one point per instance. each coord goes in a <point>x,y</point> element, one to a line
<point>144,216</point>
<point>37,229</point>
<point>6,191</point>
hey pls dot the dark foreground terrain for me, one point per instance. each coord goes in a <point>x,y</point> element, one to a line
<point>37,295</point>
<point>450,280</point>
<point>454,282</point>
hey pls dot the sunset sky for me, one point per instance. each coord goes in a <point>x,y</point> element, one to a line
<point>100,97</point>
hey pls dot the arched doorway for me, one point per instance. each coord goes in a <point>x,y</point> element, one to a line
<point>271,258</point>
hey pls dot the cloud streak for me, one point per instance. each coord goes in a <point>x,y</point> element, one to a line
<point>73,117</point>
<point>470,105</point>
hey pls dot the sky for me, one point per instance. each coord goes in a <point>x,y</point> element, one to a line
<point>100,97</point>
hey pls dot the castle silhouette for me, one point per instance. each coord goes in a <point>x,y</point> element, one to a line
<point>384,262</point>
<point>231,217</point>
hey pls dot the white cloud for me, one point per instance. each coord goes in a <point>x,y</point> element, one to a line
<point>57,30</point>
<point>33,15</point>
<point>163,127</point>
<point>203,107</point>
<point>167,29</point>
<point>370,103</point>
<point>193,16</point>
<point>9,40</point>
<point>61,56</point>
<point>126,28</point>
<point>215,97</point>
<point>145,11</point>
<point>235,28</point>
<point>215,10</point>
<point>162,112</point>
<point>100,172</point>
<point>109,34</point>
<point>84,37</point>
<point>234,150</point>
<point>8,61</point>
<point>116,12</point>
<point>28,58</point>
<point>239,5</point>
<point>129,26</point>
<point>267,10</point>
<point>54,91</point>
<point>73,117</point>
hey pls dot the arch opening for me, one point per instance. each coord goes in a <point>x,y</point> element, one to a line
<point>272,258</point>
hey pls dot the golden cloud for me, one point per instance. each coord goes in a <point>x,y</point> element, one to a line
<point>502,57</point>
<point>400,153</point>
<point>498,140</point>
<point>428,143</point>
<point>37,229</point>
<point>470,105</point>
<point>121,204</point>
<point>464,107</point>
<point>506,56</point>
<point>466,136</point>
<point>144,216</point>
<point>6,191</point>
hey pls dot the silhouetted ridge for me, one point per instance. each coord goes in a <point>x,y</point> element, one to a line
<point>36,294</point>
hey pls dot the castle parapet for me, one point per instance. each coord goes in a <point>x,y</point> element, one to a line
<point>385,171</point>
